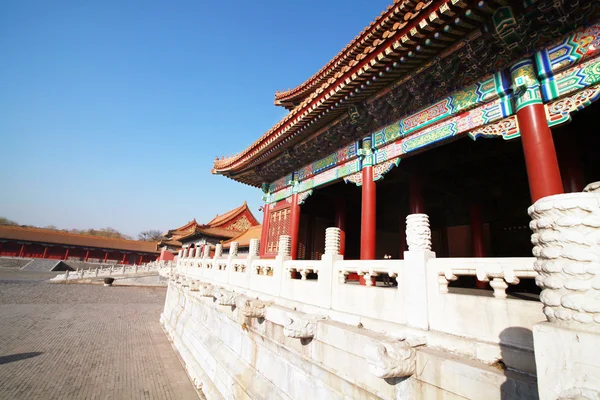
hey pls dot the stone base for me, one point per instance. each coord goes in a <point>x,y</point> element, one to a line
<point>108,284</point>
<point>231,356</point>
<point>568,362</point>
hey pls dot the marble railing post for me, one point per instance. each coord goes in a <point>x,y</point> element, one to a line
<point>66,275</point>
<point>218,251</point>
<point>233,249</point>
<point>416,277</point>
<point>198,251</point>
<point>253,253</point>
<point>566,239</point>
<point>206,251</point>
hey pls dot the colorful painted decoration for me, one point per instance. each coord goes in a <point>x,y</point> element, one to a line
<point>508,128</point>
<point>560,111</point>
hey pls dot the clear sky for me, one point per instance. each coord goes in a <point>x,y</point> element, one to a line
<point>112,111</point>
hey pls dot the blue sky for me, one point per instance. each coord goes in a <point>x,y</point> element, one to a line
<point>112,112</point>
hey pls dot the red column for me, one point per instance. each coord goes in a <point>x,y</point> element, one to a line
<point>444,240</point>
<point>264,231</point>
<point>416,203</point>
<point>45,252</point>
<point>105,256</point>
<point>294,225</point>
<point>570,165</point>
<point>477,238</point>
<point>340,222</point>
<point>368,214</point>
<point>22,251</point>
<point>142,258</point>
<point>87,255</point>
<point>66,253</point>
<point>124,256</point>
<point>540,156</point>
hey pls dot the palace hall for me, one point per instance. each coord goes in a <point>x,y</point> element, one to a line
<point>468,111</point>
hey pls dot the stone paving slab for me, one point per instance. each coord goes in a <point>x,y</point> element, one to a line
<point>86,342</point>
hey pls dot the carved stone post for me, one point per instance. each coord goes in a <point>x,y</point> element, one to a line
<point>254,247</point>
<point>418,233</point>
<point>285,246</point>
<point>198,251</point>
<point>179,254</point>
<point>233,249</point>
<point>332,240</point>
<point>219,251</point>
<point>416,276</point>
<point>206,252</point>
<point>566,239</point>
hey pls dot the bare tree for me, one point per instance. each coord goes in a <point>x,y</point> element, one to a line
<point>152,235</point>
<point>6,221</point>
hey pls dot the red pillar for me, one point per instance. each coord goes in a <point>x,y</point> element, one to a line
<point>368,215</point>
<point>87,255</point>
<point>416,203</point>
<point>540,156</point>
<point>22,251</point>
<point>45,252</point>
<point>477,238</point>
<point>105,256</point>
<point>66,253</point>
<point>142,259</point>
<point>264,231</point>
<point>444,240</point>
<point>340,222</point>
<point>124,256</point>
<point>570,165</point>
<point>294,225</point>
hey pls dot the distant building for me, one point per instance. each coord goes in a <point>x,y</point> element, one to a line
<point>18,241</point>
<point>220,229</point>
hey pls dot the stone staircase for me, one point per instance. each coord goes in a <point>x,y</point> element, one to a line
<point>41,265</point>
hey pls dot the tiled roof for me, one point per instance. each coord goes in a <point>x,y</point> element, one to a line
<point>220,233</point>
<point>220,220</point>
<point>394,45</point>
<point>244,238</point>
<point>344,57</point>
<point>49,236</point>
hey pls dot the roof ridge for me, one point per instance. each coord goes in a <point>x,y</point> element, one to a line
<point>66,233</point>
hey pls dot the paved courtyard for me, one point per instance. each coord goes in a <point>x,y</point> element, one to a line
<point>84,342</point>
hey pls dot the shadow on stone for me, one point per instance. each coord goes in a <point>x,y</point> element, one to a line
<point>18,357</point>
<point>511,339</point>
<point>305,341</point>
<point>395,381</point>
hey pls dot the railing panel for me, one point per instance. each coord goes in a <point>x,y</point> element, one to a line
<point>479,313</point>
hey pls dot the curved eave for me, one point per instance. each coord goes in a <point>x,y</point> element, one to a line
<point>387,18</point>
<point>407,49</point>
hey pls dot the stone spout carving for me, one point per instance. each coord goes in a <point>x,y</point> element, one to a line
<point>391,359</point>
<point>300,328</point>
<point>206,290</point>
<point>225,297</point>
<point>566,239</point>
<point>418,233</point>
<point>251,308</point>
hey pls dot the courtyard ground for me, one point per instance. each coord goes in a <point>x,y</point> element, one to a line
<point>62,341</point>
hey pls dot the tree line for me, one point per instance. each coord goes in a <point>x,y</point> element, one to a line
<point>151,235</point>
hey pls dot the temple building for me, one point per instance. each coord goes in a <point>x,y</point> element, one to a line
<point>193,236</point>
<point>468,111</point>
<point>425,185</point>
<point>24,242</point>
